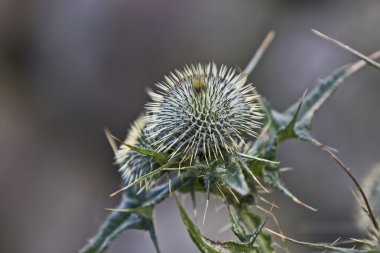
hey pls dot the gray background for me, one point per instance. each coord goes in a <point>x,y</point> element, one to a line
<point>68,68</point>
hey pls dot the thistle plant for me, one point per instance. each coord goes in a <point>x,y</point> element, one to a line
<point>208,130</point>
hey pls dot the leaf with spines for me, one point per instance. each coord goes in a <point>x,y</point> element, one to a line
<point>232,176</point>
<point>317,97</point>
<point>138,215</point>
<point>241,230</point>
<point>325,247</point>
<point>135,218</point>
<point>206,245</point>
<point>253,227</point>
<point>295,122</point>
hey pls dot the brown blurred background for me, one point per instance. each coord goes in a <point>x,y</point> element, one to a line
<point>69,68</point>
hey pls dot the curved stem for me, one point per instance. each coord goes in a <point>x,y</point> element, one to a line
<point>348,172</point>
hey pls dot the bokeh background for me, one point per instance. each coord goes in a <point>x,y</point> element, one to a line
<point>69,68</point>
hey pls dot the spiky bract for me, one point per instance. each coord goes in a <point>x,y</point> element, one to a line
<point>202,112</point>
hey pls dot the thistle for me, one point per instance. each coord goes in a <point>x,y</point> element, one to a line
<point>202,112</point>
<point>198,121</point>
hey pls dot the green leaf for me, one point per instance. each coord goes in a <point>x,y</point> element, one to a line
<point>238,228</point>
<point>318,95</point>
<point>313,102</point>
<point>135,218</point>
<point>241,229</point>
<point>232,176</point>
<point>159,157</point>
<point>252,222</point>
<point>287,130</point>
<point>162,191</point>
<point>338,249</point>
<point>316,98</point>
<point>137,214</point>
<point>266,144</point>
<point>206,245</point>
<point>327,248</point>
<point>295,122</point>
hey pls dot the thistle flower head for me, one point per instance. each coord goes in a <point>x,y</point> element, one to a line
<point>132,164</point>
<point>202,112</point>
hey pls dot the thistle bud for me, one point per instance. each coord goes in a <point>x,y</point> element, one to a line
<point>202,112</point>
<point>133,164</point>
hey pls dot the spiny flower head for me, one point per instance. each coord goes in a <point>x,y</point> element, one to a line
<point>202,112</point>
<point>133,164</point>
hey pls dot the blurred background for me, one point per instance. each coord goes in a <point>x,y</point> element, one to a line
<point>70,68</point>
